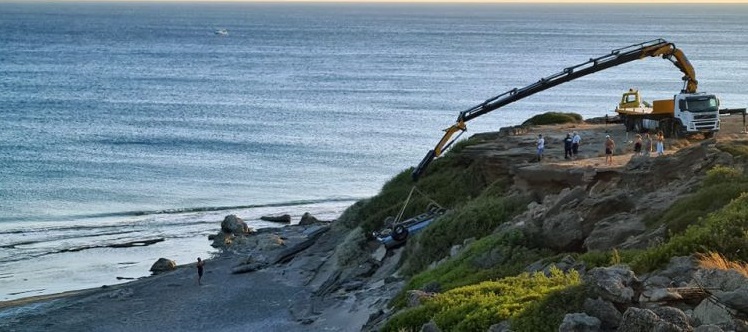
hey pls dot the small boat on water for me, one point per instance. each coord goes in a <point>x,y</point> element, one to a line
<point>222,32</point>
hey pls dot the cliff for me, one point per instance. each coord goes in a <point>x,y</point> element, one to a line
<point>644,243</point>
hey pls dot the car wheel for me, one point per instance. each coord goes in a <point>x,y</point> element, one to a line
<point>400,233</point>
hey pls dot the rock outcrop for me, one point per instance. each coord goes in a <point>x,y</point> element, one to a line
<point>163,265</point>
<point>284,219</point>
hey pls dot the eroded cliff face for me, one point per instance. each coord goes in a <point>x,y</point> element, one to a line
<point>583,204</point>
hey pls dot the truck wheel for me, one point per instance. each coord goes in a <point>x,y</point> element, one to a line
<point>678,131</point>
<point>709,135</point>
<point>400,233</point>
<point>629,123</point>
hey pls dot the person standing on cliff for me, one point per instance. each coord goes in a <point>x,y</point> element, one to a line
<point>541,147</point>
<point>567,147</point>
<point>610,145</point>
<point>200,264</point>
<point>660,143</point>
<point>575,139</point>
<point>647,144</point>
<point>638,145</point>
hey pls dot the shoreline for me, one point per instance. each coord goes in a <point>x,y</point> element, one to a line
<point>177,289</point>
<point>90,258</point>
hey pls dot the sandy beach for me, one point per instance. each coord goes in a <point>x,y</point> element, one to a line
<point>270,297</point>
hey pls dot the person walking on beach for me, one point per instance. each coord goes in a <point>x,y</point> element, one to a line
<point>567,147</point>
<point>575,139</point>
<point>610,145</point>
<point>541,147</point>
<point>200,264</point>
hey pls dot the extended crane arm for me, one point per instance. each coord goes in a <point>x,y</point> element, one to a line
<point>653,48</point>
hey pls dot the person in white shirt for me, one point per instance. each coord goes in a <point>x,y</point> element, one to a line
<point>575,139</point>
<point>541,146</point>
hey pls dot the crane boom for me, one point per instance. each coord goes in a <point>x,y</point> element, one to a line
<point>653,48</point>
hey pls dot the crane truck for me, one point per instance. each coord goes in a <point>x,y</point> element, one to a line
<point>690,104</point>
<point>695,113</point>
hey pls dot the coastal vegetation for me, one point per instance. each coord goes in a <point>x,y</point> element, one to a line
<point>549,118</point>
<point>532,301</point>
<point>484,281</point>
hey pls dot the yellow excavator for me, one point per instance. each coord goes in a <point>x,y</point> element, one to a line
<point>688,101</point>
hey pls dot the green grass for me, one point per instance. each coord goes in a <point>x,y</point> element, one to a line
<point>477,307</point>
<point>724,232</point>
<point>495,256</point>
<point>721,185</point>
<point>475,219</point>
<point>450,181</point>
<point>735,148</point>
<point>553,118</point>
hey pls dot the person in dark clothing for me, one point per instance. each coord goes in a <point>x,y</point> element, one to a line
<point>200,264</point>
<point>567,146</point>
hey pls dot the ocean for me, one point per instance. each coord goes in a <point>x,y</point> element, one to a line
<point>122,122</point>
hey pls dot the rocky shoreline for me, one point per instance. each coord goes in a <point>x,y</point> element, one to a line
<point>323,275</point>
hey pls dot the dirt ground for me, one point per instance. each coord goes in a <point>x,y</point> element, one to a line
<point>592,150</point>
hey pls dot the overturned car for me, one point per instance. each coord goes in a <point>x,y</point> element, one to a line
<point>396,233</point>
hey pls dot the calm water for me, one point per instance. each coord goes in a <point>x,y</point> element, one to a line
<point>113,113</point>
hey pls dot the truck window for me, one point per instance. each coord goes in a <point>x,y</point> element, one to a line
<point>702,104</point>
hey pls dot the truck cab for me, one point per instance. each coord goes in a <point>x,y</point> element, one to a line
<point>697,112</point>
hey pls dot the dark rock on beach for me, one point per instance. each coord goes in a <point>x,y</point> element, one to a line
<point>163,265</point>
<point>286,219</point>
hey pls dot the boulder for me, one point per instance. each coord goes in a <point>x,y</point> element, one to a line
<point>308,219</point>
<point>222,240</point>
<point>725,280</point>
<point>614,283</point>
<point>563,231</point>
<point>646,240</point>
<point>232,224</point>
<point>286,218</point>
<point>613,231</point>
<point>680,270</point>
<point>673,316</point>
<point>605,311</point>
<point>500,327</point>
<point>709,313</point>
<point>737,299</point>
<point>638,320</point>
<point>430,327</point>
<point>579,322</point>
<point>163,265</point>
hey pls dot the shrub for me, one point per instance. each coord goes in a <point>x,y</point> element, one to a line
<point>548,313</point>
<point>721,185</point>
<point>714,260</point>
<point>492,257</point>
<point>724,231</point>
<point>477,307</point>
<point>735,148</point>
<point>553,118</point>
<point>450,181</point>
<point>598,258</point>
<point>476,219</point>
